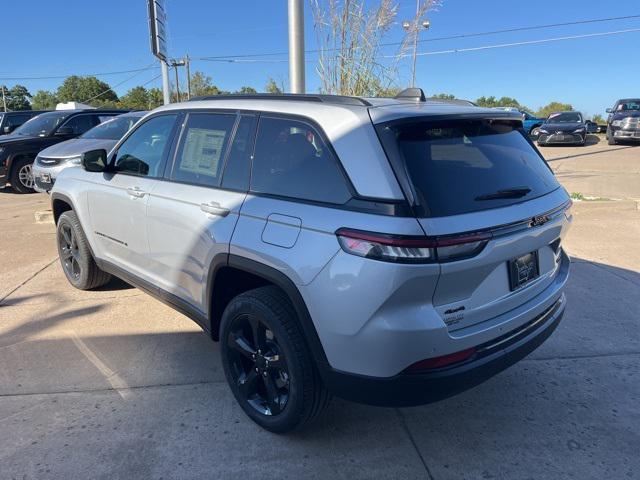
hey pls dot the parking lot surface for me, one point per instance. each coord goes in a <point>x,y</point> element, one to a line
<point>113,384</point>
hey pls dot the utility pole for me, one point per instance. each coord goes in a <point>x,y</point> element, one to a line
<point>175,68</point>
<point>4,101</point>
<point>416,32</point>
<point>296,46</point>
<point>166,93</point>
<point>186,62</point>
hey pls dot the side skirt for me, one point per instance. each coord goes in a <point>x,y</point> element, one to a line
<point>165,297</point>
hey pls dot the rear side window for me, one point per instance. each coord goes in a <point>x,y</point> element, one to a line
<point>467,166</point>
<point>81,123</point>
<point>292,160</point>
<point>202,149</point>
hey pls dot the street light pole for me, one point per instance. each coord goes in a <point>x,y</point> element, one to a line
<point>425,24</point>
<point>166,95</point>
<point>296,46</point>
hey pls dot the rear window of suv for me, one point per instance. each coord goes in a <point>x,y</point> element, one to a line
<point>466,166</point>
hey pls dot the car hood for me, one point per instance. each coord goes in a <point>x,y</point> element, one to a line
<point>76,147</point>
<point>562,127</point>
<point>623,115</point>
<point>12,139</point>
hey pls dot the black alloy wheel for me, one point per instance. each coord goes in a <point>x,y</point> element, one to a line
<point>259,366</point>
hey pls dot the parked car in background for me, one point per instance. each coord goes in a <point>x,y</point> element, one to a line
<point>623,122</point>
<point>529,122</point>
<point>392,252</point>
<point>563,128</point>
<point>19,150</point>
<point>52,160</point>
<point>9,121</point>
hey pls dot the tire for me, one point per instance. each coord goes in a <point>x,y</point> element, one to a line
<point>21,177</point>
<point>75,256</point>
<point>267,362</point>
<point>610,138</point>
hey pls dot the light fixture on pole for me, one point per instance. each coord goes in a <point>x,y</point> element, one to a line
<point>415,26</point>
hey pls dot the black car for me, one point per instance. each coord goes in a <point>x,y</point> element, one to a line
<point>18,150</point>
<point>9,121</point>
<point>624,121</point>
<point>563,128</point>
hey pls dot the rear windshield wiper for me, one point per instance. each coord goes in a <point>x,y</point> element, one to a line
<point>508,193</point>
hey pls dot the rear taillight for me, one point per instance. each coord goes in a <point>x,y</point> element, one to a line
<point>443,361</point>
<point>411,249</point>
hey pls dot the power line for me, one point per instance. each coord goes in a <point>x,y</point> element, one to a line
<point>80,74</point>
<point>115,86</point>
<point>436,39</point>
<point>528,42</point>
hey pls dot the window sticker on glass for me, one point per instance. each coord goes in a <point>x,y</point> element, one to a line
<point>202,151</point>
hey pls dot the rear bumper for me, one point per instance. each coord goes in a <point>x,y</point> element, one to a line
<point>410,389</point>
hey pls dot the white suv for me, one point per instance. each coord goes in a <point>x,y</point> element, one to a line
<point>388,251</point>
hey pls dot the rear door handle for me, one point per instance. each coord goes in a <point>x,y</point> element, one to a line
<point>214,208</point>
<point>136,192</point>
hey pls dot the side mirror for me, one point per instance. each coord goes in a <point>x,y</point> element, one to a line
<point>7,129</point>
<point>609,110</point>
<point>65,131</point>
<point>94,160</point>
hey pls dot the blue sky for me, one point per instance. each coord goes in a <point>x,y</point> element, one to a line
<point>47,38</point>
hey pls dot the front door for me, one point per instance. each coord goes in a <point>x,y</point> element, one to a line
<point>118,203</point>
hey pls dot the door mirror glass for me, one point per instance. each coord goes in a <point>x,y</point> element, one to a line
<point>94,160</point>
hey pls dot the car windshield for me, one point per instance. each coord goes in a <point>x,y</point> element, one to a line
<point>629,105</point>
<point>465,166</point>
<point>112,129</point>
<point>565,117</point>
<point>41,125</point>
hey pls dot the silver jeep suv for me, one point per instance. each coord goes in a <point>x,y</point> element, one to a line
<point>387,251</point>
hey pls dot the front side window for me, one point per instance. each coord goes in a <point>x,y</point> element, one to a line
<point>80,124</point>
<point>201,153</point>
<point>292,160</point>
<point>143,152</point>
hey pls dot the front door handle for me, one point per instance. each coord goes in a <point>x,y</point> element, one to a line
<point>136,192</point>
<point>214,208</point>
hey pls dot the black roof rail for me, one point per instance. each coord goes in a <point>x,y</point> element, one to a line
<point>415,94</point>
<point>296,97</point>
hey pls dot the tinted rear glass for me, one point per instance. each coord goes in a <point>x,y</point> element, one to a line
<point>467,166</point>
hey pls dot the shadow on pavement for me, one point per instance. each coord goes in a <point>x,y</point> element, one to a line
<point>570,409</point>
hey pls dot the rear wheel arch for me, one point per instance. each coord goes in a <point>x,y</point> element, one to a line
<point>238,275</point>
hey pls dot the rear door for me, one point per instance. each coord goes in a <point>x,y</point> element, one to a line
<point>482,178</point>
<point>191,217</point>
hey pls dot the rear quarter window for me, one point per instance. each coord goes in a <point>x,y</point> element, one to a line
<point>453,167</point>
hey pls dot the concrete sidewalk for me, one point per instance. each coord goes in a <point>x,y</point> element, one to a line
<point>113,384</point>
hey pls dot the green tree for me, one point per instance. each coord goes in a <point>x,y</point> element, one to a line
<point>44,100</point>
<point>545,111</point>
<point>201,84</point>
<point>247,90</point>
<point>444,96</point>
<point>17,97</point>
<point>492,102</point>
<point>85,89</point>
<point>597,118</point>
<point>136,99</point>
<point>155,97</point>
<point>272,87</point>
